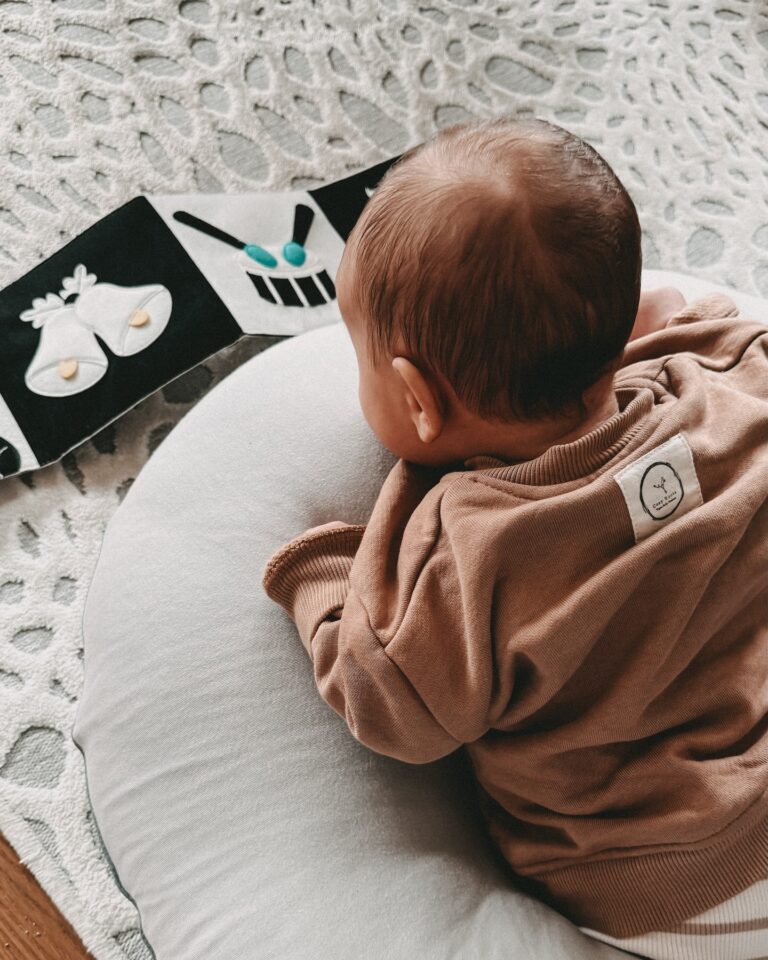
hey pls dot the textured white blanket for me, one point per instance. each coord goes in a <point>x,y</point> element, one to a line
<point>102,100</point>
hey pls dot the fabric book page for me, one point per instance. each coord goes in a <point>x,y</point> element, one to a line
<point>153,289</point>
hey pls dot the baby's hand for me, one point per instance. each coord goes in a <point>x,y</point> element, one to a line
<point>655,309</point>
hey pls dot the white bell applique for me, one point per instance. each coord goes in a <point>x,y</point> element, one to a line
<point>127,319</point>
<point>68,358</point>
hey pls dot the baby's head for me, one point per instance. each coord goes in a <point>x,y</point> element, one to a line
<point>489,287</point>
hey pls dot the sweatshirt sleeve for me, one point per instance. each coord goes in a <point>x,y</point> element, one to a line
<point>380,612</point>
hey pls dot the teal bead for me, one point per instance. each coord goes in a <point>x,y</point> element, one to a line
<point>294,253</point>
<point>260,255</point>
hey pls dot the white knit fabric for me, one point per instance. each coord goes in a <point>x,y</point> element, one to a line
<point>102,100</point>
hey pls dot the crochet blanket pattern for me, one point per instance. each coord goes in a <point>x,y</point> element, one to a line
<point>105,100</point>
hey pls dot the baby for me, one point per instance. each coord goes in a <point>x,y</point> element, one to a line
<point>565,571</point>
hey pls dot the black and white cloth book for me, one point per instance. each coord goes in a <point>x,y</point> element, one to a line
<point>153,289</point>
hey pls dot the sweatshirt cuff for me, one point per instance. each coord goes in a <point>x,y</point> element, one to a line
<point>309,575</point>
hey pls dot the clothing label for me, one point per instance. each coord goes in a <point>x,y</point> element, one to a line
<point>660,486</point>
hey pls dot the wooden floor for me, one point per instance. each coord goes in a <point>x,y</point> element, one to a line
<point>31,928</point>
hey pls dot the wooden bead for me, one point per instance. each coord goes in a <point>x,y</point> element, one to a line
<point>139,318</point>
<point>67,368</point>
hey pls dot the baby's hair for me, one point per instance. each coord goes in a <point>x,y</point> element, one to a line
<point>506,255</point>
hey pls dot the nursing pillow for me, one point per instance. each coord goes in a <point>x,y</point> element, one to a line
<point>238,811</point>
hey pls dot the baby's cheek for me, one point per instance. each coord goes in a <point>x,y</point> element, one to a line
<point>372,410</point>
<point>367,391</point>
<point>399,437</point>
<point>379,415</point>
<point>384,411</point>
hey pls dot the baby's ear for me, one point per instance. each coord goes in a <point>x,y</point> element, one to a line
<point>422,398</point>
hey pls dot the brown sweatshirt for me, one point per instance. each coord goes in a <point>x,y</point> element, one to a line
<point>591,624</point>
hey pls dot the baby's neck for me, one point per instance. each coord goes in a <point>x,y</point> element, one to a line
<point>516,442</point>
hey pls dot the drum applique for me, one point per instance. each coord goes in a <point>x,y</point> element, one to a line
<point>288,275</point>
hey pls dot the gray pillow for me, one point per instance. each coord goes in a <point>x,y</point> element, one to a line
<point>239,812</point>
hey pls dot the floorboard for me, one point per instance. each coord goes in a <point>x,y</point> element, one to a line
<point>31,927</point>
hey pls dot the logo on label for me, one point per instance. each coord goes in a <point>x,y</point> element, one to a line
<point>660,487</point>
<point>661,490</point>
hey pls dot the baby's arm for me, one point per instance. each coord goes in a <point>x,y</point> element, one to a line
<point>708,328</point>
<point>376,609</point>
<point>655,309</point>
